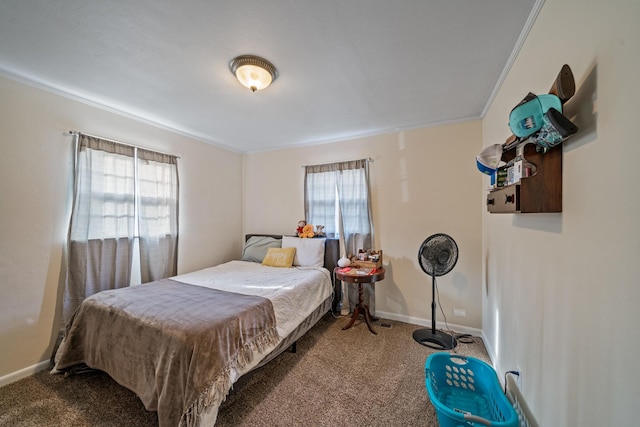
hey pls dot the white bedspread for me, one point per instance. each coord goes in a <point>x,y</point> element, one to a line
<point>294,292</point>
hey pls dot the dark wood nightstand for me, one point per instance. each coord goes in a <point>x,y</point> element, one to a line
<point>351,276</point>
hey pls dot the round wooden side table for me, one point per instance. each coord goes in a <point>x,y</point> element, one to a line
<point>352,276</point>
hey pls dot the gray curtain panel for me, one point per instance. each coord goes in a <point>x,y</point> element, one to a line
<point>338,196</point>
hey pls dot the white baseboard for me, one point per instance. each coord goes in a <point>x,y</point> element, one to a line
<point>424,322</point>
<point>440,325</point>
<point>23,373</point>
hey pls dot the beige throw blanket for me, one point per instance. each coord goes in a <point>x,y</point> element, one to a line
<point>171,343</point>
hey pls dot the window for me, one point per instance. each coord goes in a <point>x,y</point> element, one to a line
<point>337,196</point>
<point>124,222</point>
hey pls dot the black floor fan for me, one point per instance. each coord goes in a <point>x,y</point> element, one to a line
<point>437,256</point>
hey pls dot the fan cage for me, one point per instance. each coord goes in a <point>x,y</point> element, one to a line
<point>438,254</point>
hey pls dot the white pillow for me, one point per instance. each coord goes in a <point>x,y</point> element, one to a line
<point>309,252</point>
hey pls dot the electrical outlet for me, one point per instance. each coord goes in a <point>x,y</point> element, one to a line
<point>459,312</point>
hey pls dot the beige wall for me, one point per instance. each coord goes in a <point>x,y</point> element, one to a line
<point>423,182</point>
<point>562,295</point>
<point>35,174</point>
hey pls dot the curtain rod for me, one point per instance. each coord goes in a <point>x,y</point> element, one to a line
<point>368,159</point>
<point>76,133</point>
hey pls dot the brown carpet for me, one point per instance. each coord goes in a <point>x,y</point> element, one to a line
<point>336,378</point>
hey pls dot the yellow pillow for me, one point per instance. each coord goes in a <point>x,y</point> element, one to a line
<point>279,257</point>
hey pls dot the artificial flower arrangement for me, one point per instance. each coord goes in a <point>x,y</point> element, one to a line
<point>305,230</point>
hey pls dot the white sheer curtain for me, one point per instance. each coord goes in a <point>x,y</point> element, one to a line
<point>337,195</point>
<point>120,193</point>
<point>158,218</point>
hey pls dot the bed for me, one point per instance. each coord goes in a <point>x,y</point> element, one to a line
<point>181,343</point>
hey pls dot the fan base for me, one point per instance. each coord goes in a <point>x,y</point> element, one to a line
<point>437,340</point>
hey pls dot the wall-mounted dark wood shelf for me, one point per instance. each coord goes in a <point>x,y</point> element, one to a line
<point>539,193</point>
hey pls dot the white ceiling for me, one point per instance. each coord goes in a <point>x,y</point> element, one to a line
<point>347,68</point>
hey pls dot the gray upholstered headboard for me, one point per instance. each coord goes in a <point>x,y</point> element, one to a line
<point>331,256</point>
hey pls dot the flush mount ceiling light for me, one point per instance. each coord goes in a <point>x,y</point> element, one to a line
<point>253,72</point>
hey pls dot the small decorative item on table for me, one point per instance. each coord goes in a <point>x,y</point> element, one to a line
<point>373,260</point>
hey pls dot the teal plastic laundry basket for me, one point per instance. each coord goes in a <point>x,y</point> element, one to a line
<point>466,392</point>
